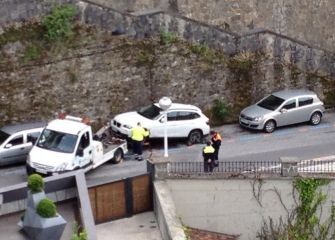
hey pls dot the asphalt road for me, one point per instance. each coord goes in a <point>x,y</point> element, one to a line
<point>303,141</point>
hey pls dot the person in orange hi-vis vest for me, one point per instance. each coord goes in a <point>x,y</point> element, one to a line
<point>216,143</point>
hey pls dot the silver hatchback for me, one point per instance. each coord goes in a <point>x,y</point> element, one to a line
<point>283,108</point>
<point>17,140</point>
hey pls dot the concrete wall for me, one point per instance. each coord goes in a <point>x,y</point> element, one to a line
<point>229,205</point>
<point>169,223</point>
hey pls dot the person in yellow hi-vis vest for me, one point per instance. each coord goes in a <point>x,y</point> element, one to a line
<point>208,154</point>
<point>138,134</point>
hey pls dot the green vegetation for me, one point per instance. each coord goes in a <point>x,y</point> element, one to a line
<point>35,183</point>
<point>32,52</point>
<point>242,62</point>
<point>78,234</point>
<point>220,109</point>
<point>167,38</point>
<point>207,53</point>
<point>59,23</point>
<point>46,208</point>
<point>29,32</point>
<point>304,222</point>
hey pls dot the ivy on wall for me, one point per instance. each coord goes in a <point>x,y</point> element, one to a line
<point>304,221</point>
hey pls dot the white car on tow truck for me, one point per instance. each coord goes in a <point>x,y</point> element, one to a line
<point>68,144</point>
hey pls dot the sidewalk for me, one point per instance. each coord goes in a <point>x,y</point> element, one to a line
<point>138,227</point>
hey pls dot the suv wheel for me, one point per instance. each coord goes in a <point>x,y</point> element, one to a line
<point>194,137</point>
<point>269,126</point>
<point>315,118</point>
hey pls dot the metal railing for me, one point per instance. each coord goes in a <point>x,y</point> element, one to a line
<point>259,167</point>
<point>225,167</point>
<point>311,166</point>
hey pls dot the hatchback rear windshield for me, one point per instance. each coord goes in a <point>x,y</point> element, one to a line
<point>150,112</point>
<point>271,102</point>
<point>3,136</point>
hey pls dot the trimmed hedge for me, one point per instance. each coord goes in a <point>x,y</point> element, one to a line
<point>46,208</point>
<point>35,183</point>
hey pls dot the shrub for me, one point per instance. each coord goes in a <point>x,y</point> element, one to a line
<point>32,53</point>
<point>46,208</point>
<point>35,183</point>
<point>78,235</point>
<point>167,38</point>
<point>220,109</point>
<point>59,23</point>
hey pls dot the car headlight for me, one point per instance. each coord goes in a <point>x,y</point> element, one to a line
<point>127,126</point>
<point>61,167</point>
<point>257,119</point>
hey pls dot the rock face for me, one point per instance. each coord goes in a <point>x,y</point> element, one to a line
<point>119,73</point>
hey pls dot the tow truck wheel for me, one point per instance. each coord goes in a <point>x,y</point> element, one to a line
<point>29,170</point>
<point>118,156</point>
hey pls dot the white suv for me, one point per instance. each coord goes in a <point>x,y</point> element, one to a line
<point>184,121</point>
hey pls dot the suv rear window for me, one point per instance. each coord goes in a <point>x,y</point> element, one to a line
<point>187,115</point>
<point>305,101</point>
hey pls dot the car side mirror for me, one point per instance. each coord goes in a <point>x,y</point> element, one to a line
<point>9,145</point>
<point>80,152</point>
<point>283,110</point>
<point>162,120</point>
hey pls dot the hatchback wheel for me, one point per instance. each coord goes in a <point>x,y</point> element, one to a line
<point>270,126</point>
<point>194,137</point>
<point>315,118</point>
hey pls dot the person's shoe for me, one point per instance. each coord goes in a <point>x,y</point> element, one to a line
<point>140,159</point>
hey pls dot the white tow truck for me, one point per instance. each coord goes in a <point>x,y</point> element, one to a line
<point>68,144</point>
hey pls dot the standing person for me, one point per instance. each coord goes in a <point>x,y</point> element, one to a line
<point>216,140</point>
<point>138,134</point>
<point>207,153</point>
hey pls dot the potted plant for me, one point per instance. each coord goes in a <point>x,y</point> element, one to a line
<point>41,220</point>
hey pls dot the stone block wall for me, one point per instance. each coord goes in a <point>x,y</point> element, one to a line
<point>110,81</point>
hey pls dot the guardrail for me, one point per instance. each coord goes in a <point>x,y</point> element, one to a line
<point>286,167</point>
<point>225,167</point>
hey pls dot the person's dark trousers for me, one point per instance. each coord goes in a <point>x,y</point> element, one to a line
<point>216,157</point>
<point>216,153</point>
<point>208,166</point>
<point>138,148</point>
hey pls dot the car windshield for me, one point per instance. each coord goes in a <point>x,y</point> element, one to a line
<point>57,141</point>
<point>271,102</point>
<point>3,137</point>
<point>150,112</point>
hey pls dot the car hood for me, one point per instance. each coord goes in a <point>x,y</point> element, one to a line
<point>49,158</point>
<point>132,118</point>
<point>255,111</point>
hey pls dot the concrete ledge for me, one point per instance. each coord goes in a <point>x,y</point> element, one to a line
<point>169,224</point>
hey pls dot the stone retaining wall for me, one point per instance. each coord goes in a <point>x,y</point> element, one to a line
<point>108,83</point>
